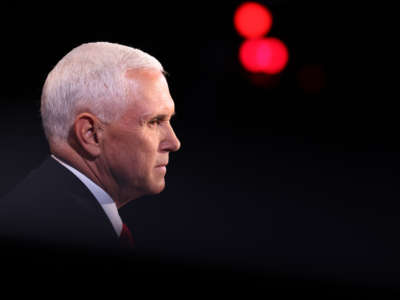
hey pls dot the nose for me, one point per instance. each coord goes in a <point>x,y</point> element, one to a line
<point>171,143</point>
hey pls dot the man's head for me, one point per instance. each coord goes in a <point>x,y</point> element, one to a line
<point>106,110</point>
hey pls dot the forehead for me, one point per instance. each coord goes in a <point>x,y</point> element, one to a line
<point>148,93</point>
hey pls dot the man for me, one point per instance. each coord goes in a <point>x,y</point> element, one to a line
<point>106,111</point>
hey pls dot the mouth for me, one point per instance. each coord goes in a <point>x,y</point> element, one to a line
<point>162,168</point>
<point>162,164</point>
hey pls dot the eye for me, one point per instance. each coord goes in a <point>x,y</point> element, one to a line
<point>155,122</point>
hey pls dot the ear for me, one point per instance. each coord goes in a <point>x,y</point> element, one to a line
<point>88,133</point>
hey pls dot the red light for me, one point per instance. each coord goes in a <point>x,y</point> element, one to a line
<point>268,55</point>
<point>252,20</point>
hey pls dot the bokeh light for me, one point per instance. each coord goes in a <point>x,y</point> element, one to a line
<point>252,20</point>
<point>267,55</point>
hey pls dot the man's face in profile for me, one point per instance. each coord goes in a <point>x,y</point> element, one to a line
<point>136,147</point>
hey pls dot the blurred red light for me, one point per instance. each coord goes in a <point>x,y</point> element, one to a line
<point>268,55</point>
<point>252,20</point>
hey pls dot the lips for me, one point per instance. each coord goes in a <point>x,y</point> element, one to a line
<point>162,168</point>
<point>162,164</point>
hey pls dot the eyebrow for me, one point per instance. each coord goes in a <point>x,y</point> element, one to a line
<point>159,116</point>
<point>163,116</point>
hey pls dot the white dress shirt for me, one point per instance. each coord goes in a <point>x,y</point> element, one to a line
<point>106,202</point>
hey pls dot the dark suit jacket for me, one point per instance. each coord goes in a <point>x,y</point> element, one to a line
<point>52,207</point>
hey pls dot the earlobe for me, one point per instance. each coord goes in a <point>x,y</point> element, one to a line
<point>87,133</point>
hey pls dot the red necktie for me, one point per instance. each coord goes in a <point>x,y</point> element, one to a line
<point>126,238</point>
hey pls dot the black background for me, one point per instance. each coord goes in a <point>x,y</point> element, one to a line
<point>286,174</point>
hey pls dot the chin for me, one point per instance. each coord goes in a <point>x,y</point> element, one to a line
<point>161,188</point>
<point>157,188</point>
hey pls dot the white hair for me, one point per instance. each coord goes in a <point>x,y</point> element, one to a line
<point>90,78</point>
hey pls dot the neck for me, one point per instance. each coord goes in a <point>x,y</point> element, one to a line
<point>94,170</point>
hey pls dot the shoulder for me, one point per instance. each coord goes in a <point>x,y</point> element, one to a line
<point>42,184</point>
<point>42,194</point>
<point>52,204</point>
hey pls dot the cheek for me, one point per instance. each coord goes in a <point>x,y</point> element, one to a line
<point>121,154</point>
<point>136,157</point>
<point>133,155</point>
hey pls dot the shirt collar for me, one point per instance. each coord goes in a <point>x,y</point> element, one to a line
<point>104,199</point>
